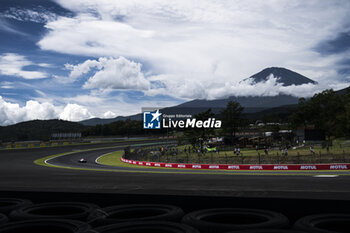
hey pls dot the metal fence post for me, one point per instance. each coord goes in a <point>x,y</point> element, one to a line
<point>298,156</point>
<point>320,156</point>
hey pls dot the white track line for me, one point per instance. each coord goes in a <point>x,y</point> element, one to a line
<point>46,161</point>
<point>325,176</point>
<point>96,160</point>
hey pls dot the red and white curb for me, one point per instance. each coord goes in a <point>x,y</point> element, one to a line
<point>311,167</point>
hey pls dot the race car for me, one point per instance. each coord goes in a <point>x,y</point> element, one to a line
<point>82,160</point>
<point>210,149</point>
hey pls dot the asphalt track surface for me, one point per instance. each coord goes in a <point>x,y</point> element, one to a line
<point>19,173</point>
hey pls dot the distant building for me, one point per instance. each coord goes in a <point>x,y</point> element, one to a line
<point>65,135</point>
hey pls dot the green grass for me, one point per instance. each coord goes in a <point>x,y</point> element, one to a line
<point>114,159</point>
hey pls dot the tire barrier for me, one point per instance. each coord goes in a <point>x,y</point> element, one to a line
<point>77,217</point>
<point>251,167</point>
<point>3,219</point>
<point>55,210</point>
<point>136,212</point>
<point>9,204</point>
<point>147,227</point>
<point>324,223</point>
<point>233,219</point>
<point>45,226</point>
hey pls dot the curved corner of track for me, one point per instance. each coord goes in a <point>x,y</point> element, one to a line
<point>70,160</point>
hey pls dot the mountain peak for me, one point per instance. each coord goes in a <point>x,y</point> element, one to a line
<point>283,75</point>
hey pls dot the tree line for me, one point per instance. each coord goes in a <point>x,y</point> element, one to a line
<point>328,111</point>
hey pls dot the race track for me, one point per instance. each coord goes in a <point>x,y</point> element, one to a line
<point>19,173</point>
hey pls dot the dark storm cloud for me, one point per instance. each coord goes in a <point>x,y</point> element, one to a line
<point>344,67</point>
<point>339,44</point>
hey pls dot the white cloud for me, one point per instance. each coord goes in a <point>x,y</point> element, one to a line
<point>11,113</point>
<point>75,112</point>
<point>89,100</point>
<point>106,106</point>
<point>109,114</point>
<point>38,15</point>
<point>6,85</point>
<point>110,74</point>
<point>191,89</point>
<point>215,42</point>
<point>12,64</point>
<point>36,110</point>
<point>45,65</point>
<point>187,88</point>
<point>83,68</point>
<point>5,26</point>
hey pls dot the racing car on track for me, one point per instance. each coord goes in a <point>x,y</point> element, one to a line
<point>82,160</point>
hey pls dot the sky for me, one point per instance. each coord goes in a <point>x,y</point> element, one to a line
<point>78,59</point>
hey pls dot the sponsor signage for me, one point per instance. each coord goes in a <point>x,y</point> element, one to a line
<point>339,167</point>
<point>308,167</point>
<point>280,167</point>
<point>270,167</point>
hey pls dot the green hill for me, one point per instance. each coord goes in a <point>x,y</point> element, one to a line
<point>38,130</point>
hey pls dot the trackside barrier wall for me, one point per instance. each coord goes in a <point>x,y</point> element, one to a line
<point>241,167</point>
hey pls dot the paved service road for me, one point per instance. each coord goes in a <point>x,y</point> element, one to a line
<point>18,172</point>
